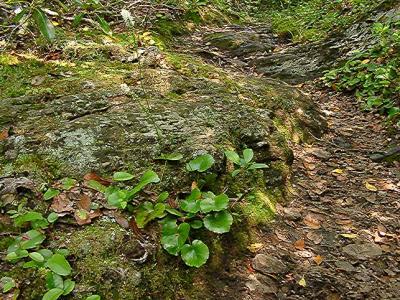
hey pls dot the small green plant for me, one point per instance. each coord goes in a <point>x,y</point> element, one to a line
<point>201,163</point>
<point>373,75</point>
<point>244,163</point>
<point>196,210</point>
<point>7,284</point>
<point>56,266</point>
<point>120,198</point>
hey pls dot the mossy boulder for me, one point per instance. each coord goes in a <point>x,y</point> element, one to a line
<point>125,121</point>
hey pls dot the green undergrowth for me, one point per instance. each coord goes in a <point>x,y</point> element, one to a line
<point>106,259</point>
<point>373,75</point>
<point>314,20</point>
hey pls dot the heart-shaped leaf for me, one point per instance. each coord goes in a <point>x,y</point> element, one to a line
<point>59,265</point>
<point>122,176</point>
<point>175,239</point>
<point>196,254</point>
<point>201,163</point>
<point>213,203</point>
<point>219,222</point>
<point>191,204</point>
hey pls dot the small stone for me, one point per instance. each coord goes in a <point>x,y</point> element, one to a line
<point>362,251</point>
<point>320,153</point>
<point>268,264</point>
<point>344,266</point>
<point>261,284</point>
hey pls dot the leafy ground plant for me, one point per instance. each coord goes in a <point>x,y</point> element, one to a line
<point>373,75</point>
<point>245,162</point>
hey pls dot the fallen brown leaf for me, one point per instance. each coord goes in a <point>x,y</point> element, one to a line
<point>318,259</point>
<point>299,245</point>
<point>312,222</point>
<point>61,204</point>
<point>371,187</point>
<point>121,220</point>
<point>84,202</point>
<point>94,176</point>
<point>4,134</point>
<point>82,217</point>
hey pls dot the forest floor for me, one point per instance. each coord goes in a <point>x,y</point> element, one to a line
<point>336,237</point>
<point>339,236</point>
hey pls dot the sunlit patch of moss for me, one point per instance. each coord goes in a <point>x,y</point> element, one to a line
<point>58,77</point>
<point>259,208</point>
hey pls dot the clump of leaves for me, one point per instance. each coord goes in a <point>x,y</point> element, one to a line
<point>373,75</point>
<point>120,197</point>
<point>27,247</point>
<point>245,162</point>
<point>196,210</point>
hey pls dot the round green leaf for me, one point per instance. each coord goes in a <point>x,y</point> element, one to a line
<point>8,284</point>
<point>59,265</point>
<point>248,155</point>
<point>97,186</point>
<point>36,256</point>
<point>52,217</point>
<point>172,239</point>
<point>122,176</point>
<point>162,197</point>
<point>53,294</point>
<point>196,254</point>
<point>214,203</point>
<point>219,222</point>
<point>54,280</point>
<point>68,183</point>
<point>31,239</point>
<point>46,253</point>
<point>69,286</point>
<point>233,157</point>
<point>201,163</point>
<point>196,224</point>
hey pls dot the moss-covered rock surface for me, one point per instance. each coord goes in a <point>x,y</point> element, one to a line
<point>102,109</point>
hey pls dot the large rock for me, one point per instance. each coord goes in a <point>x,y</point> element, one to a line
<point>164,111</point>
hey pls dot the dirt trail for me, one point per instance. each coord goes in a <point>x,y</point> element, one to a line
<point>339,237</point>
